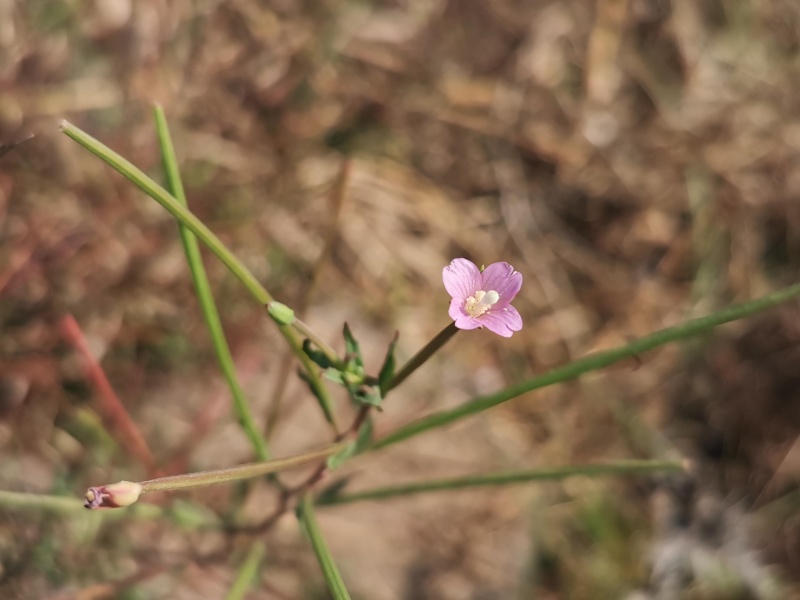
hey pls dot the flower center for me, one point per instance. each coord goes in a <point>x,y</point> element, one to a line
<point>482,301</point>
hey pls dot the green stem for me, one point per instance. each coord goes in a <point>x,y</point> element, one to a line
<point>423,355</point>
<point>592,362</point>
<point>329,569</point>
<point>205,296</point>
<point>500,479</point>
<point>41,502</point>
<point>204,234</point>
<point>248,471</point>
<point>72,507</point>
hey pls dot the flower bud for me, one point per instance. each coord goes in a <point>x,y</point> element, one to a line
<point>115,495</point>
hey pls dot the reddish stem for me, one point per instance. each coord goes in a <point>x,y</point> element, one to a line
<point>111,408</point>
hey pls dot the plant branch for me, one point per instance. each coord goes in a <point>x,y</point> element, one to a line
<point>423,355</point>
<point>592,362</point>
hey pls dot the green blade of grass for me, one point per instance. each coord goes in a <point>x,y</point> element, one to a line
<point>627,467</point>
<point>247,572</point>
<point>205,235</point>
<point>204,294</point>
<point>592,362</point>
<point>59,505</point>
<point>329,569</point>
<point>73,508</point>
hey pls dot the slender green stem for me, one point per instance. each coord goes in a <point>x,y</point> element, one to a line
<point>247,572</point>
<point>205,235</point>
<point>423,355</point>
<point>205,296</point>
<point>248,471</point>
<point>329,569</point>
<point>592,362</point>
<point>628,467</point>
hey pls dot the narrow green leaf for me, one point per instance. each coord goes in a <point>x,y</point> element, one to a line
<point>365,433</point>
<point>352,349</point>
<point>334,375</point>
<point>592,362</point>
<point>318,357</point>
<point>136,176</point>
<point>335,461</point>
<point>355,447</point>
<point>248,572</point>
<point>188,515</point>
<point>73,508</point>
<point>205,295</point>
<point>320,392</point>
<point>630,467</point>
<point>329,569</point>
<point>389,364</point>
<point>366,394</point>
<point>330,493</point>
<point>165,199</point>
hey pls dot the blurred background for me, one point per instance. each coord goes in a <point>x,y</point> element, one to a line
<point>637,160</point>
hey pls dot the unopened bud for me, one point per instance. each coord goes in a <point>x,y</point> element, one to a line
<point>115,495</point>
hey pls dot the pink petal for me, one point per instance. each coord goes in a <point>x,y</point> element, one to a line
<point>462,319</point>
<point>504,321</point>
<point>503,279</point>
<point>456,309</point>
<point>461,279</point>
<point>467,322</point>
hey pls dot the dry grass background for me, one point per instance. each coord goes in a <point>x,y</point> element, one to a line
<point>637,160</point>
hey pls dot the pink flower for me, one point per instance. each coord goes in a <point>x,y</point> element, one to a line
<point>482,299</point>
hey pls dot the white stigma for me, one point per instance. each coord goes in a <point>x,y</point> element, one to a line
<point>482,301</point>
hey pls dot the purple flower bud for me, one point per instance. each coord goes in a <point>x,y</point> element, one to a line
<point>115,495</point>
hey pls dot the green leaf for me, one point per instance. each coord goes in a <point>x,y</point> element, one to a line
<point>205,296</point>
<point>306,515</point>
<point>320,393</point>
<point>389,364</point>
<point>205,235</point>
<point>317,356</point>
<point>334,375</point>
<point>191,516</point>
<point>351,347</point>
<point>330,493</point>
<point>335,461</point>
<point>248,572</point>
<point>363,440</point>
<point>367,394</point>
<point>625,467</point>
